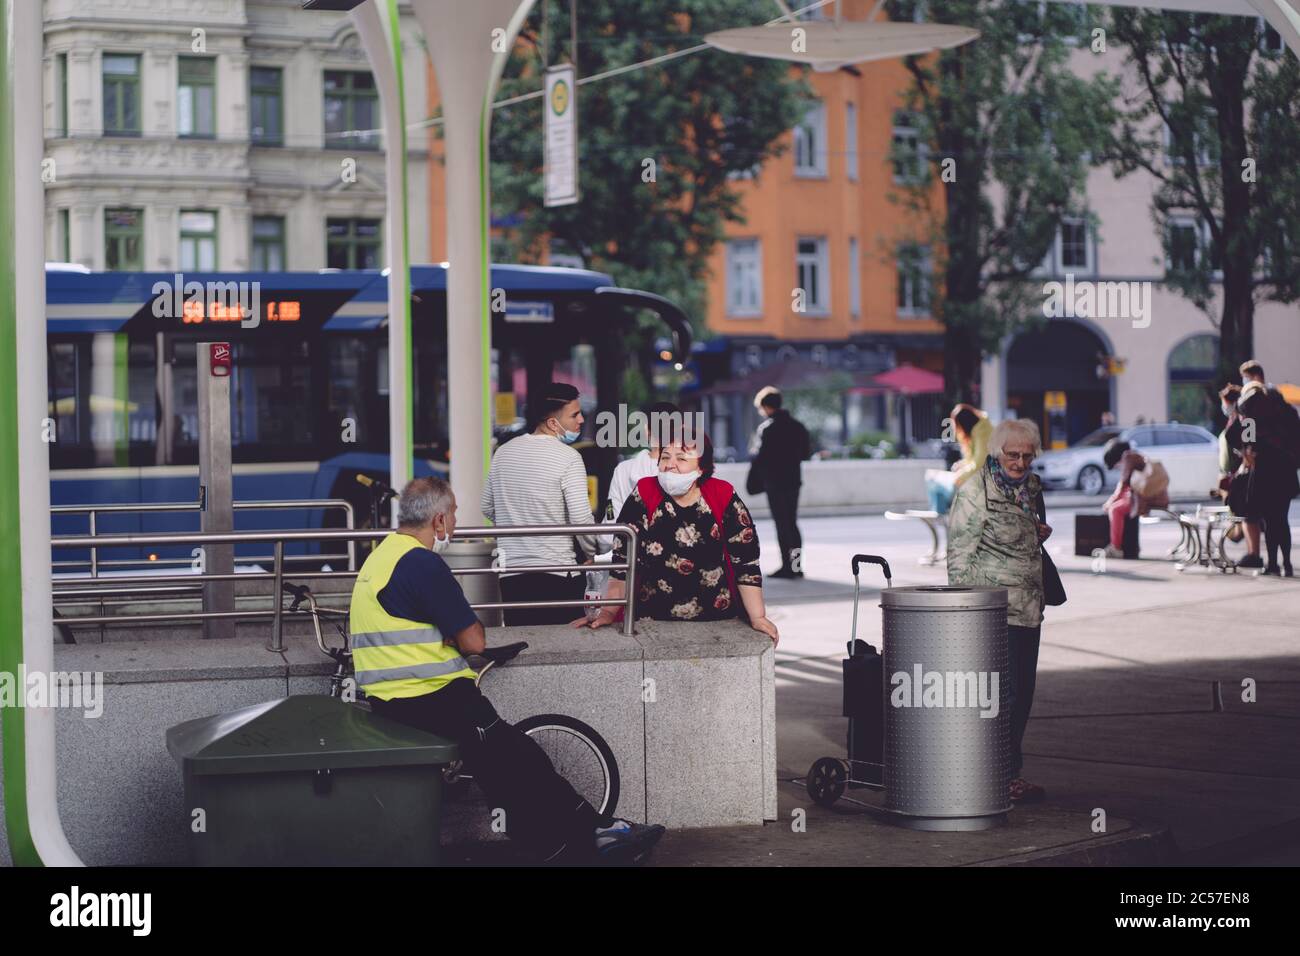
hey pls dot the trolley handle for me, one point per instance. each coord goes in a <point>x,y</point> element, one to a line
<point>872,559</point>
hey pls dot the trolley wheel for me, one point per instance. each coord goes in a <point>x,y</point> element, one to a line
<point>826,780</point>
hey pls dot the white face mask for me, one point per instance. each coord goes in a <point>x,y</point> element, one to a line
<point>440,544</point>
<point>677,484</point>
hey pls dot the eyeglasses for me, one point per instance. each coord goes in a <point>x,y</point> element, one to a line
<point>1025,456</point>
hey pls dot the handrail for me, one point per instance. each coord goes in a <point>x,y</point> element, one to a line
<point>285,504</point>
<point>279,538</point>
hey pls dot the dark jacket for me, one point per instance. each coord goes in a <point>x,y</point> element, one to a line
<point>1277,441</point>
<point>783,445</point>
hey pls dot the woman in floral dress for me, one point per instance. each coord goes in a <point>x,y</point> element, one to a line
<point>682,562</point>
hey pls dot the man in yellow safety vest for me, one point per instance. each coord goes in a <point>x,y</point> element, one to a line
<point>410,625</point>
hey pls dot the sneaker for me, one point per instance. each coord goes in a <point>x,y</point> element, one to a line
<point>1022,791</point>
<point>787,574</point>
<point>626,842</point>
<point>1251,561</point>
<point>1114,552</point>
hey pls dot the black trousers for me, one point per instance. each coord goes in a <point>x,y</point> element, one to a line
<point>784,502</point>
<point>543,813</point>
<point>1022,653</point>
<point>1277,530</point>
<point>540,586</point>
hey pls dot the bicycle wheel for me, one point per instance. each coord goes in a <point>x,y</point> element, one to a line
<point>579,755</point>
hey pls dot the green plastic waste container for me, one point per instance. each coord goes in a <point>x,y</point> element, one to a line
<point>310,781</point>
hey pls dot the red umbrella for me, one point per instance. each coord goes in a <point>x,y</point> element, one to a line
<point>911,380</point>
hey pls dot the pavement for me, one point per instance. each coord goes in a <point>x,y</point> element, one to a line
<point>1167,706</point>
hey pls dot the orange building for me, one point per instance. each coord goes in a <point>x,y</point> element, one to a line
<point>830,272</point>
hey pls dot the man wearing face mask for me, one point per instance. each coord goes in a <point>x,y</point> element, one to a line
<point>410,625</point>
<point>538,479</point>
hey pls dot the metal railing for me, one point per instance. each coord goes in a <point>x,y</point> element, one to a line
<point>93,512</point>
<point>84,587</point>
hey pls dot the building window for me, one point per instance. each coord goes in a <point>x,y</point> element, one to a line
<point>812,271</point>
<point>1193,365</point>
<point>910,155</point>
<point>351,106</point>
<point>810,142</point>
<point>855,280</point>
<point>61,94</point>
<point>851,141</point>
<point>121,74</point>
<point>744,277</point>
<point>266,106</point>
<point>123,240</point>
<point>1204,148</point>
<point>1073,247</point>
<point>1189,241</point>
<point>198,240</point>
<point>268,243</point>
<point>352,243</point>
<point>65,235</point>
<point>1270,41</point>
<point>914,274</point>
<point>196,97</point>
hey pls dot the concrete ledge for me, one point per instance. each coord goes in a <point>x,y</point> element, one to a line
<point>688,709</point>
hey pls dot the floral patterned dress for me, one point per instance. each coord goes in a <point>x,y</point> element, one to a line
<point>680,573</point>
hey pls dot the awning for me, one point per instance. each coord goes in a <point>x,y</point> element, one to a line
<point>910,380</point>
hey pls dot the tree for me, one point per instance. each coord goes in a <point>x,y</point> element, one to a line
<point>661,148</point>
<point>1215,121</point>
<point>1006,134</point>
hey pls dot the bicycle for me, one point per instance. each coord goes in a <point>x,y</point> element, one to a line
<point>575,749</point>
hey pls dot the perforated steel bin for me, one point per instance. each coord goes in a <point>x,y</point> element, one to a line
<point>947,707</point>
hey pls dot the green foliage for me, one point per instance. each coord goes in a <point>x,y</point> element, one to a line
<point>873,444</point>
<point>703,119</point>
<point>1215,122</point>
<point>1006,117</point>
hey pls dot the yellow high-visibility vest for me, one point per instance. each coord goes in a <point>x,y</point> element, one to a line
<point>392,656</point>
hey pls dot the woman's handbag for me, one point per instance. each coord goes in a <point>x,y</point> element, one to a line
<point>1053,589</point>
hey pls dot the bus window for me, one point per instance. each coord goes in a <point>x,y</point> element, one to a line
<point>102,401</point>
<point>579,370</point>
<point>354,418</point>
<point>272,415</point>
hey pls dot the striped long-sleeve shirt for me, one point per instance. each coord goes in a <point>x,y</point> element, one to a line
<point>537,479</point>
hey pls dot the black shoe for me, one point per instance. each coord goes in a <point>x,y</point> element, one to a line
<point>787,574</point>
<point>1287,572</point>
<point>1251,561</point>
<point>1272,569</point>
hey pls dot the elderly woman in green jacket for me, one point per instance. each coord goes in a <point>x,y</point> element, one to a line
<point>994,539</point>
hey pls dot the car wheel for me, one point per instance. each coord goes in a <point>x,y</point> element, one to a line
<point>1091,480</point>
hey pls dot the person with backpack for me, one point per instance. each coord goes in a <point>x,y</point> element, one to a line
<point>697,553</point>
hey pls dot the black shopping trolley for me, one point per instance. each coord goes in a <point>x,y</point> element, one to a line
<point>864,706</point>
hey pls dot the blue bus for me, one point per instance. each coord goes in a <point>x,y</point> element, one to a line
<point>309,402</point>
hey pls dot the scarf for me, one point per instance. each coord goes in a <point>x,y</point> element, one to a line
<point>1017,491</point>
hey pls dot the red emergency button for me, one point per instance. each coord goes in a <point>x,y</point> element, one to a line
<point>220,359</point>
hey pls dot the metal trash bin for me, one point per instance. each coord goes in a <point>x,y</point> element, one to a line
<point>310,781</point>
<point>947,708</point>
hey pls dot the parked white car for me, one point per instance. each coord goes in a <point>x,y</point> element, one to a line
<point>1189,453</point>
